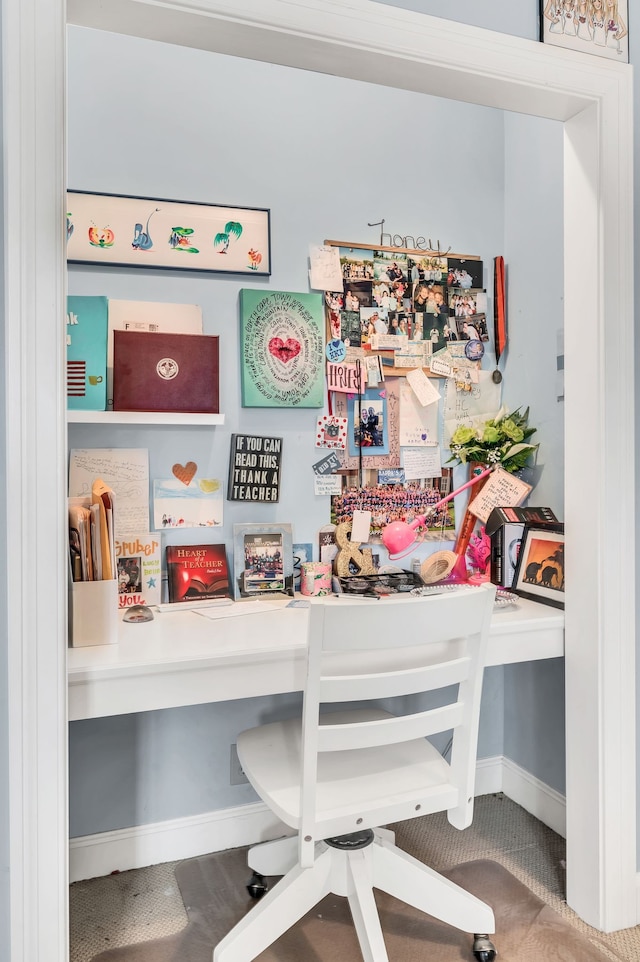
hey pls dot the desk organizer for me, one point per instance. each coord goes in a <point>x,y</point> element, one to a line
<point>391,583</point>
<point>93,613</point>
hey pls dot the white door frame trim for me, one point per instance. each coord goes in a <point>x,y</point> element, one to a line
<point>33,84</point>
<point>374,43</point>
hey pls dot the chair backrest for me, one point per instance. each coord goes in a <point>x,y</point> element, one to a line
<point>370,650</point>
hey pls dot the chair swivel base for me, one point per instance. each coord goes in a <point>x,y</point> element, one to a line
<point>354,873</point>
<point>257,886</point>
<point>353,841</point>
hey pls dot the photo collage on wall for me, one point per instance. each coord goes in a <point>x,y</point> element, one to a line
<point>433,298</point>
<point>391,498</point>
<point>400,307</point>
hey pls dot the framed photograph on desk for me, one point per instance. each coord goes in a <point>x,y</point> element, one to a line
<point>540,571</point>
<point>262,560</point>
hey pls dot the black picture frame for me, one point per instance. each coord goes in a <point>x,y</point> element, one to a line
<point>539,573</point>
<point>124,230</point>
<point>602,30</point>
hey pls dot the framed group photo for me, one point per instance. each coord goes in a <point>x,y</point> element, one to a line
<point>539,573</point>
<point>126,231</point>
<point>262,560</point>
<point>599,27</point>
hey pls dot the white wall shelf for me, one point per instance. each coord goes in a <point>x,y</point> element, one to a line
<point>141,417</point>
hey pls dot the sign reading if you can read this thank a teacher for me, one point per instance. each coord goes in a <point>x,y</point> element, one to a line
<point>282,349</point>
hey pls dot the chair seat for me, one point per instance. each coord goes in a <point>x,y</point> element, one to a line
<point>348,781</point>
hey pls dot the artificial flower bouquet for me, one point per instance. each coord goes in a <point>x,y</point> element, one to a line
<point>502,440</point>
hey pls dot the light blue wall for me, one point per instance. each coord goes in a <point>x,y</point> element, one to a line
<point>516,17</point>
<point>534,691</point>
<point>326,155</point>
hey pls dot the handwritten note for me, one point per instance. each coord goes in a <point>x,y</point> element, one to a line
<point>421,463</point>
<point>501,490</point>
<point>126,470</point>
<point>425,390</point>
<point>325,273</point>
<point>327,484</point>
<point>418,424</point>
<point>473,407</point>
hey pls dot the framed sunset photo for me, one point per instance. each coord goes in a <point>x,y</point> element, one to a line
<point>539,573</point>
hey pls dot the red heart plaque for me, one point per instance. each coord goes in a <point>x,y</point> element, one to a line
<point>285,351</point>
<point>185,472</point>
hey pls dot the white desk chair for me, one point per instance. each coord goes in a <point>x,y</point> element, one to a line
<point>336,778</point>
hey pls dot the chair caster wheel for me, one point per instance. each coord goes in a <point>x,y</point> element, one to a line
<point>257,886</point>
<point>483,948</point>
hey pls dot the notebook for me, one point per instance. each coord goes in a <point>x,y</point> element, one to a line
<point>165,372</point>
<point>86,353</point>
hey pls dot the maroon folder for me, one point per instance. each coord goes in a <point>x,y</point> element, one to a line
<point>165,372</point>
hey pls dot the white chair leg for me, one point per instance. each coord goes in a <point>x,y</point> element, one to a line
<point>277,911</point>
<point>412,882</point>
<point>363,908</point>
<point>384,834</point>
<point>275,857</point>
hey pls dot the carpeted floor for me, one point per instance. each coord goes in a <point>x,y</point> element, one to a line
<point>504,850</point>
<point>527,930</point>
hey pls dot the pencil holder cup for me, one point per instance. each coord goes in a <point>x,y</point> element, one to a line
<point>93,613</point>
<point>315,578</point>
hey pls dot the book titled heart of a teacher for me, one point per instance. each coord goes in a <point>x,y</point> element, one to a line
<point>197,572</point>
<point>165,372</point>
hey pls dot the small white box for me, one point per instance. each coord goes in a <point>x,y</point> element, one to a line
<point>93,613</point>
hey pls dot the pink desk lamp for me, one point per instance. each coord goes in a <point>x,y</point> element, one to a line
<point>400,536</point>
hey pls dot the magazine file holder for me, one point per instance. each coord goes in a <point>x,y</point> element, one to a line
<point>93,613</point>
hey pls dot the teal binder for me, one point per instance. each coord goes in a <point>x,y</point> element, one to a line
<point>87,320</point>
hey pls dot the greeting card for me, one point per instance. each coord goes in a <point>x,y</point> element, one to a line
<point>331,432</point>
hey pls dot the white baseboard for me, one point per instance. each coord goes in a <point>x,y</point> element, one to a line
<point>540,800</point>
<point>489,775</point>
<point>91,856</point>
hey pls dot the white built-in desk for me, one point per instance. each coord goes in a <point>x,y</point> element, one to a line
<point>182,658</point>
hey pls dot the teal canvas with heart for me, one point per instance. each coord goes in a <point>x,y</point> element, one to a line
<point>282,346</point>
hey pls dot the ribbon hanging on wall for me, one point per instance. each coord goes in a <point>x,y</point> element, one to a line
<point>499,313</point>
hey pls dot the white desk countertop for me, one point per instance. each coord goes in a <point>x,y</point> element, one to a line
<point>183,658</point>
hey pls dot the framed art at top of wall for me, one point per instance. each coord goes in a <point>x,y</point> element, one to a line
<point>539,572</point>
<point>600,27</point>
<point>125,231</point>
